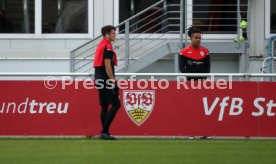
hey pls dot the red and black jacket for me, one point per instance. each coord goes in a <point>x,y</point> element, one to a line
<point>194,60</point>
<point>104,51</point>
<point>99,55</point>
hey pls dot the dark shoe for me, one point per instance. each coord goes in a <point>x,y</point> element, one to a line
<point>106,136</point>
<point>191,138</point>
<point>205,137</point>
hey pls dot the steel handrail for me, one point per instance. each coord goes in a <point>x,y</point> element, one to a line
<point>19,74</point>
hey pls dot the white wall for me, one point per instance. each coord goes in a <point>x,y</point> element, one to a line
<point>38,47</point>
<point>220,63</point>
<point>258,44</point>
<point>50,66</point>
<point>55,52</point>
<point>103,14</point>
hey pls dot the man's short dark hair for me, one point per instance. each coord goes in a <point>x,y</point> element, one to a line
<point>107,29</point>
<point>192,30</point>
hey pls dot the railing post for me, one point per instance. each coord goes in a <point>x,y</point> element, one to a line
<point>182,22</point>
<point>187,13</point>
<point>26,16</point>
<point>127,45</point>
<point>165,5</point>
<point>72,60</point>
<point>273,55</point>
<point>238,20</point>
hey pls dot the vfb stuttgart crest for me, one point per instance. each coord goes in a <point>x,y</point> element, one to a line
<point>139,105</point>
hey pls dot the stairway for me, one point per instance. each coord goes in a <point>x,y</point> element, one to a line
<point>148,36</point>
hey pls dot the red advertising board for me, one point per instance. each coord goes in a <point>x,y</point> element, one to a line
<point>244,109</point>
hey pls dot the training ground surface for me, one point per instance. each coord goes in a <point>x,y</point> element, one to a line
<point>132,151</point>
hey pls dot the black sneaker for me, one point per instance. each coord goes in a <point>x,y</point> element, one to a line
<point>106,136</point>
<point>205,137</point>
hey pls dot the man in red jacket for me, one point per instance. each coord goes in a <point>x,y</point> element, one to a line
<point>104,61</point>
<point>194,58</point>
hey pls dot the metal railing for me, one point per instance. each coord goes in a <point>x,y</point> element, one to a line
<point>139,28</point>
<point>218,18</point>
<point>151,28</point>
<point>269,69</point>
<point>58,74</point>
<point>169,76</point>
<point>272,56</point>
<point>265,68</point>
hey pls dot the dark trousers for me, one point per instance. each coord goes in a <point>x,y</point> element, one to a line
<point>107,116</point>
<point>110,104</point>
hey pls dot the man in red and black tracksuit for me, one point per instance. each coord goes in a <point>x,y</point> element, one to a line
<point>104,61</point>
<point>194,58</point>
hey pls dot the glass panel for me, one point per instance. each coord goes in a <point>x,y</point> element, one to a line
<point>17,16</point>
<point>273,16</point>
<point>64,16</point>
<point>163,18</point>
<point>129,8</point>
<point>217,16</point>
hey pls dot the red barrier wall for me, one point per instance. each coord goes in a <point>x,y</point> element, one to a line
<point>29,108</point>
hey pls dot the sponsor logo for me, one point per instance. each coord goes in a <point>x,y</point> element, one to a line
<point>139,105</point>
<point>32,106</point>
<point>234,107</point>
<point>202,53</point>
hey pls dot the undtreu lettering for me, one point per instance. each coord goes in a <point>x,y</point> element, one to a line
<point>31,106</point>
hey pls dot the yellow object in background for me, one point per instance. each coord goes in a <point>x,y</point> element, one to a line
<point>243,24</point>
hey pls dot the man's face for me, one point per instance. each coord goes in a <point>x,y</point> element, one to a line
<point>196,39</point>
<point>112,35</point>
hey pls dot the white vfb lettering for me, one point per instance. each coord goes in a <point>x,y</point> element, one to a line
<point>263,106</point>
<point>234,110</point>
<point>236,104</point>
<point>222,105</point>
<point>209,111</point>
